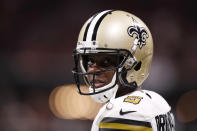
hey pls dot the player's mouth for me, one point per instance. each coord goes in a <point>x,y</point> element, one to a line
<point>98,83</point>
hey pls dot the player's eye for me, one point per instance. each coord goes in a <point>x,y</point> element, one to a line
<point>90,61</point>
<point>106,62</point>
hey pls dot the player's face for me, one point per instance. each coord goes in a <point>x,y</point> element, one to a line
<point>100,63</point>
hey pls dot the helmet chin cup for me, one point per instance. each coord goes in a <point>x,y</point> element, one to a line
<point>104,96</point>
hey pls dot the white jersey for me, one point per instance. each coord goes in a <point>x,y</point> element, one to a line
<point>138,111</point>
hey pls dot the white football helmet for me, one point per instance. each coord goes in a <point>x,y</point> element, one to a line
<point>122,35</point>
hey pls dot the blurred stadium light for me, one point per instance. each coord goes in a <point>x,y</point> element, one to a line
<point>66,103</point>
<point>186,109</point>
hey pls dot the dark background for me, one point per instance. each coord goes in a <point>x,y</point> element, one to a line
<point>37,40</point>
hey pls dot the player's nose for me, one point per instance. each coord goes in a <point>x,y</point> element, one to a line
<point>94,68</point>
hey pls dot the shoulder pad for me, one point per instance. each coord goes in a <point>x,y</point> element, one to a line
<point>146,103</point>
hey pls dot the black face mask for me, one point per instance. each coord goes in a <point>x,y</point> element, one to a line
<point>106,58</point>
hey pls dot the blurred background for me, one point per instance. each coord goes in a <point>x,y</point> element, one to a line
<point>37,40</point>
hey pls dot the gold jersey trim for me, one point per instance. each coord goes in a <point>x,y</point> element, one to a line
<point>127,127</point>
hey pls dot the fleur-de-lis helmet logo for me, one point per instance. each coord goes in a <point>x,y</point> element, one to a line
<point>140,32</point>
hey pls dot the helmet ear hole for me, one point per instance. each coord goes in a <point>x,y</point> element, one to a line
<point>138,66</point>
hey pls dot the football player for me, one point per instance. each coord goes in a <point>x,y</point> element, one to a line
<point>113,58</point>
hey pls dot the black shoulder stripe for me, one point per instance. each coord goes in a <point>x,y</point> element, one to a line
<point>98,23</point>
<point>126,121</point>
<point>87,27</point>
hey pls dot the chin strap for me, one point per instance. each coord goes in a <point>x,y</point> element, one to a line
<point>123,80</point>
<point>106,95</point>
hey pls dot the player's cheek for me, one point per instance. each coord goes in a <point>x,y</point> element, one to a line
<point>109,76</point>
